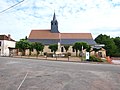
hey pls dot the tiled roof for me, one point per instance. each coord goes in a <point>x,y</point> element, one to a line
<point>46,34</point>
<point>4,37</point>
<point>76,36</point>
<point>43,34</point>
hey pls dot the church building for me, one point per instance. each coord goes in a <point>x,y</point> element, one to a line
<point>54,36</point>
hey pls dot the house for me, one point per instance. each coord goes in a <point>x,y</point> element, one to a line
<point>6,44</point>
<point>53,36</point>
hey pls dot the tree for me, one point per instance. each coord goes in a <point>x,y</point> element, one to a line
<point>22,45</point>
<point>66,47</point>
<point>38,46</point>
<point>88,48</point>
<point>84,45</point>
<point>117,43</point>
<point>101,38</point>
<point>80,46</point>
<point>110,46</point>
<point>31,47</point>
<point>76,46</point>
<point>53,47</point>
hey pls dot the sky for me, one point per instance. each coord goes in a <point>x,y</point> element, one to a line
<point>74,16</point>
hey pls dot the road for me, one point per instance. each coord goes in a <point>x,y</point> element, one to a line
<point>31,74</point>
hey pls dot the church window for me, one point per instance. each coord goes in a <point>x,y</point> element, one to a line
<point>62,49</point>
<point>73,49</point>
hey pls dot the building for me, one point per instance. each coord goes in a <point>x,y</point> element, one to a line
<point>53,36</point>
<point>6,45</point>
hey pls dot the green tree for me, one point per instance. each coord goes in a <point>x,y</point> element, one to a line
<point>53,47</point>
<point>88,48</point>
<point>110,46</point>
<point>31,47</point>
<point>117,43</point>
<point>22,45</point>
<point>79,46</point>
<point>38,46</point>
<point>84,45</point>
<point>66,47</point>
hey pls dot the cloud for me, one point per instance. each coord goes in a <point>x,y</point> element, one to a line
<point>95,16</point>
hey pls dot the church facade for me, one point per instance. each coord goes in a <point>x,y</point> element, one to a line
<point>53,36</point>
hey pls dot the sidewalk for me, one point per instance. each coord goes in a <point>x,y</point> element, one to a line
<point>71,59</point>
<point>116,62</point>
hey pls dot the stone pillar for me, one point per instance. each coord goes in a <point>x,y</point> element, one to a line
<point>59,47</point>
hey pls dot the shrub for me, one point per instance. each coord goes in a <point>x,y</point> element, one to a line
<point>116,55</point>
<point>95,59</point>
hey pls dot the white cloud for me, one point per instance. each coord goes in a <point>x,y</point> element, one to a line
<point>95,16</point>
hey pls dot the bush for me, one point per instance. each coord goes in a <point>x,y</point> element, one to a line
<point>95,59</point>
<point>116,55</point>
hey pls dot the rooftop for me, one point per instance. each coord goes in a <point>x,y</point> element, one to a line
<point>5,37</point>
<point>46,34</point>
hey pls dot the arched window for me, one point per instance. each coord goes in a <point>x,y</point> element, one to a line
<point>73,50</point>
<point>62,49</point>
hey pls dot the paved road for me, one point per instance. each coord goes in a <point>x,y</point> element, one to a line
<point>28,74</point>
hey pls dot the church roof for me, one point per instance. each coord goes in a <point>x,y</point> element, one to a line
<point>43,34</point>
<point>46,34</point>
<point>76,36</point>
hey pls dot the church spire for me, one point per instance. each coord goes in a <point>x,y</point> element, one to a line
<point>54,24</point>
<point>54,17</point>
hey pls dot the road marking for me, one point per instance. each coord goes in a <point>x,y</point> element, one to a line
<point>22,81</point>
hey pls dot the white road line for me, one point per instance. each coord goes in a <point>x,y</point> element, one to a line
<point>22,81</point>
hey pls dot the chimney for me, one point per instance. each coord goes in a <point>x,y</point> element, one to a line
<point>9,36</point>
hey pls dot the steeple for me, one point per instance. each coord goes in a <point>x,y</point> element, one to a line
<point>54,17</point>
<point>54,24</point>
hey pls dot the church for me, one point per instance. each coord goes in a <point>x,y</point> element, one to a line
<point>54,36</point>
